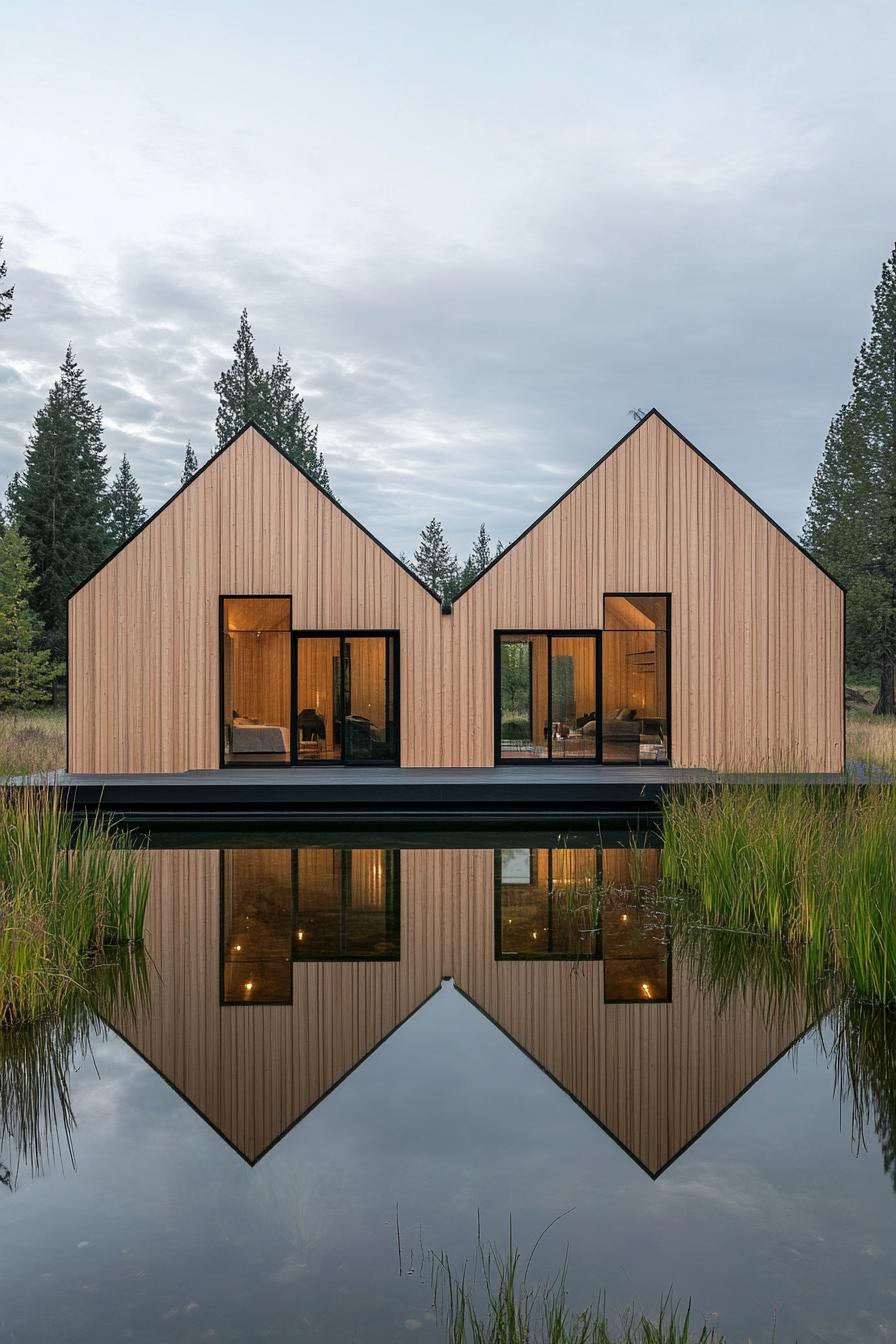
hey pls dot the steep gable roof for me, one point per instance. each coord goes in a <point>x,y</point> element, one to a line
<point>653,413</point>
<point>251,424</point>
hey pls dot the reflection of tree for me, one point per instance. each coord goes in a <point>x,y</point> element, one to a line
<point>864,1055</point>
<point>858,1038</point>
<point>36,1116</point>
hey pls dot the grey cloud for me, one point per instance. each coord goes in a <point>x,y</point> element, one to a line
<point>475,374</point>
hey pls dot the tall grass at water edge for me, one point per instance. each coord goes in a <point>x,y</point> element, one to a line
<point>808,863</point>
<point>68,890</point>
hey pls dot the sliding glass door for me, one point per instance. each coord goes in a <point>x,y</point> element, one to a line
<point>346,699</point>
<point>546,696</point>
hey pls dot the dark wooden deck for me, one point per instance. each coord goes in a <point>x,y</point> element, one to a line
<point>336,793</point>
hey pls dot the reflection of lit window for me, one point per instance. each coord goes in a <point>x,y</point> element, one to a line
<point>348,902</point>
<point>544,902</point>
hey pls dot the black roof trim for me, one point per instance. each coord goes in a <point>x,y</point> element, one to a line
<point>634,429</point>
<point>251,424</point>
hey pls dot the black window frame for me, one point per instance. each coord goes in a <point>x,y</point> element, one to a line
<point>549,759</point>
<point>343,635</point>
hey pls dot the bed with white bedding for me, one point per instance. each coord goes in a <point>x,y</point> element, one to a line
<point>257,739</point>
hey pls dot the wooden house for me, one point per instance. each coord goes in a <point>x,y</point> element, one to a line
<point>653,615</point>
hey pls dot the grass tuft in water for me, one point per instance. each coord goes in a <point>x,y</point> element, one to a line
<point>496,1304</point>
<point>68,892</point>
<point>810,864</point>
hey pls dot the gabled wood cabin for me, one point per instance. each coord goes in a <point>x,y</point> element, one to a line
<point>653,615</point>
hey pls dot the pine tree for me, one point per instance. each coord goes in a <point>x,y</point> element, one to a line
<point>434,561</point>
<point>289,425</point>
<point>243,389</point>
<point>481,555</point>
<point>850,523</point>
<point>126,511</point>
<point>5,294</point>
<point>60,501</point>
<point>26,669</point>
<point>191,465</point>
<point>467,575</point>
<point>452,583</point>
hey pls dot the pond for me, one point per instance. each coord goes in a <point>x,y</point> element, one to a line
<point>343,1054</point>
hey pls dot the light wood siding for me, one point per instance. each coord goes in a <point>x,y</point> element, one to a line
<point>756,628</point>
<point>653,1075</point>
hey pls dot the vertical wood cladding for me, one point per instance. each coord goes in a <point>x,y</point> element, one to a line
<point>757,629</point>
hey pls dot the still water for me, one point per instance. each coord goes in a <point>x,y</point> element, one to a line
<point>343,1056</point>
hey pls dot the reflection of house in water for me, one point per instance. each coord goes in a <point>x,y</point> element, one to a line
<point>281,970</point>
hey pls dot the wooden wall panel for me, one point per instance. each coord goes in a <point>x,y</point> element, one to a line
<point>757,629</point>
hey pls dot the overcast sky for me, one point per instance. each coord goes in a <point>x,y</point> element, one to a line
<point>481,233</point>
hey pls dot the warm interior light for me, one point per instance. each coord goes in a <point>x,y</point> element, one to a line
<point>238,947</point>
<point>625,919</point>
<point>248,984</point>
<point>300,935</point>
<point>645,990</point>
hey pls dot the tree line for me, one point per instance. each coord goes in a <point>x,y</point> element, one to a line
<point>850,524</point>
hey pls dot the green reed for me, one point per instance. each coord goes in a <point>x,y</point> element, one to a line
<point>68,890</point>
<point>497,1304</point>
<point>814,865</point>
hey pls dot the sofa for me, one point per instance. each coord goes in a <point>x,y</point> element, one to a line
<point>622,725</point>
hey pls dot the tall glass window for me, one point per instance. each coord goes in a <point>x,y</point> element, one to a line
<point>319,718</point>
<point>634,677</point>
<point>256,667</point>
<point>573,697</point>
<point>524,725</point>
<point>369,698</point>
